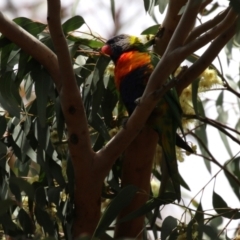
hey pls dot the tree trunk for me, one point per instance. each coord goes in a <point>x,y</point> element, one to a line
<point>137,165</point>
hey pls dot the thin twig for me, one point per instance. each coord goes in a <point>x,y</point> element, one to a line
<point>215,161</point>
<point>217,125</point>
<point>206,59</point>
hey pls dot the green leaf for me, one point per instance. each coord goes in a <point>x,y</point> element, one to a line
<point>25,222</point>
<point>209,231</point>
<point>226,143</point>
<point>27,125</point>
<point>45,221</point>
<point>23,59</point>
<point>199,215</point>
<point>97,87</point>
<point>4,41</point>
<point>162,5</point>
<point>199,218</point>
<point>99,71</point>
<point>112,3</point>
<point>233,167</point>
<point>47,40</point>
<point>85,76</point>
<point>151,10</point>
<point>108,103</point>
<point>236,38</point>
<point>54,195</point>
<point>7,53</point>
<point>151,30</point>
<point>222,117</point>
<point>5,205</point>
<point>42,134</point>
<point>149,7</point>
<point>99,125</point>
<point>60,119</point>
<point>146,4</point>
<point>122,200</point>
<point>42,85</point>
<point>220,206</point>
<point>56,172</point>
<point>183,183</point>
<point>25,65</point>
<point>85,41</point>
<point>3,125</point>
<point>9,226</point>
<point>168,225</point>
<point>28,85</point>
<point>219,101</point>
<point>15,190</point>
<point>9,95</point>
<point>201,133</point>
<point>174,234</point>
<point>40,197</point>
<point>166,198</point>
<point>197,103</point>
<point>216,222</point>
<point>195,85</point>
<point>72,24</point>
<point>228,50</point>
<point>23,167</point>
<point>23,186</point>
<point>98,143</point>
<point>22,142</point>
<point>176,111</point>
<point>32,27</point>
<point>190,229</point>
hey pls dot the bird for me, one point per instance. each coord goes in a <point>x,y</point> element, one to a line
<point>134,64</point>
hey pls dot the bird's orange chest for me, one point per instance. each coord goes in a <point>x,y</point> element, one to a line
<point>128,62</point>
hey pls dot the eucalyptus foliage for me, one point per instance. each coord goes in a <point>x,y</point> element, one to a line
<point>36,175</point>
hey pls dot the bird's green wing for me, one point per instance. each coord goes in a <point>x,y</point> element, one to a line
<point>170,97</point>
<point>162,121</point>
<point>166,119</point>
<point>175,109</point>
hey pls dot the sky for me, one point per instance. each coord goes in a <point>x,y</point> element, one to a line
<point>134,18</point>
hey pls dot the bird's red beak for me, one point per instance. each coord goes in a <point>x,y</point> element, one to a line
<point>106,49</point>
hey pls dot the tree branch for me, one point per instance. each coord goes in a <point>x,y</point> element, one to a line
<point>31,45</point>
<point>196,32</point>
<point>169,24</point>
<point>71,103</point>
<point>185,26</point>
<point>206,59</point>
<point>202,40</point>
<point>88,184</point>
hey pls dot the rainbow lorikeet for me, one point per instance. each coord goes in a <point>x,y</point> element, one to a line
<point>133,67</point>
